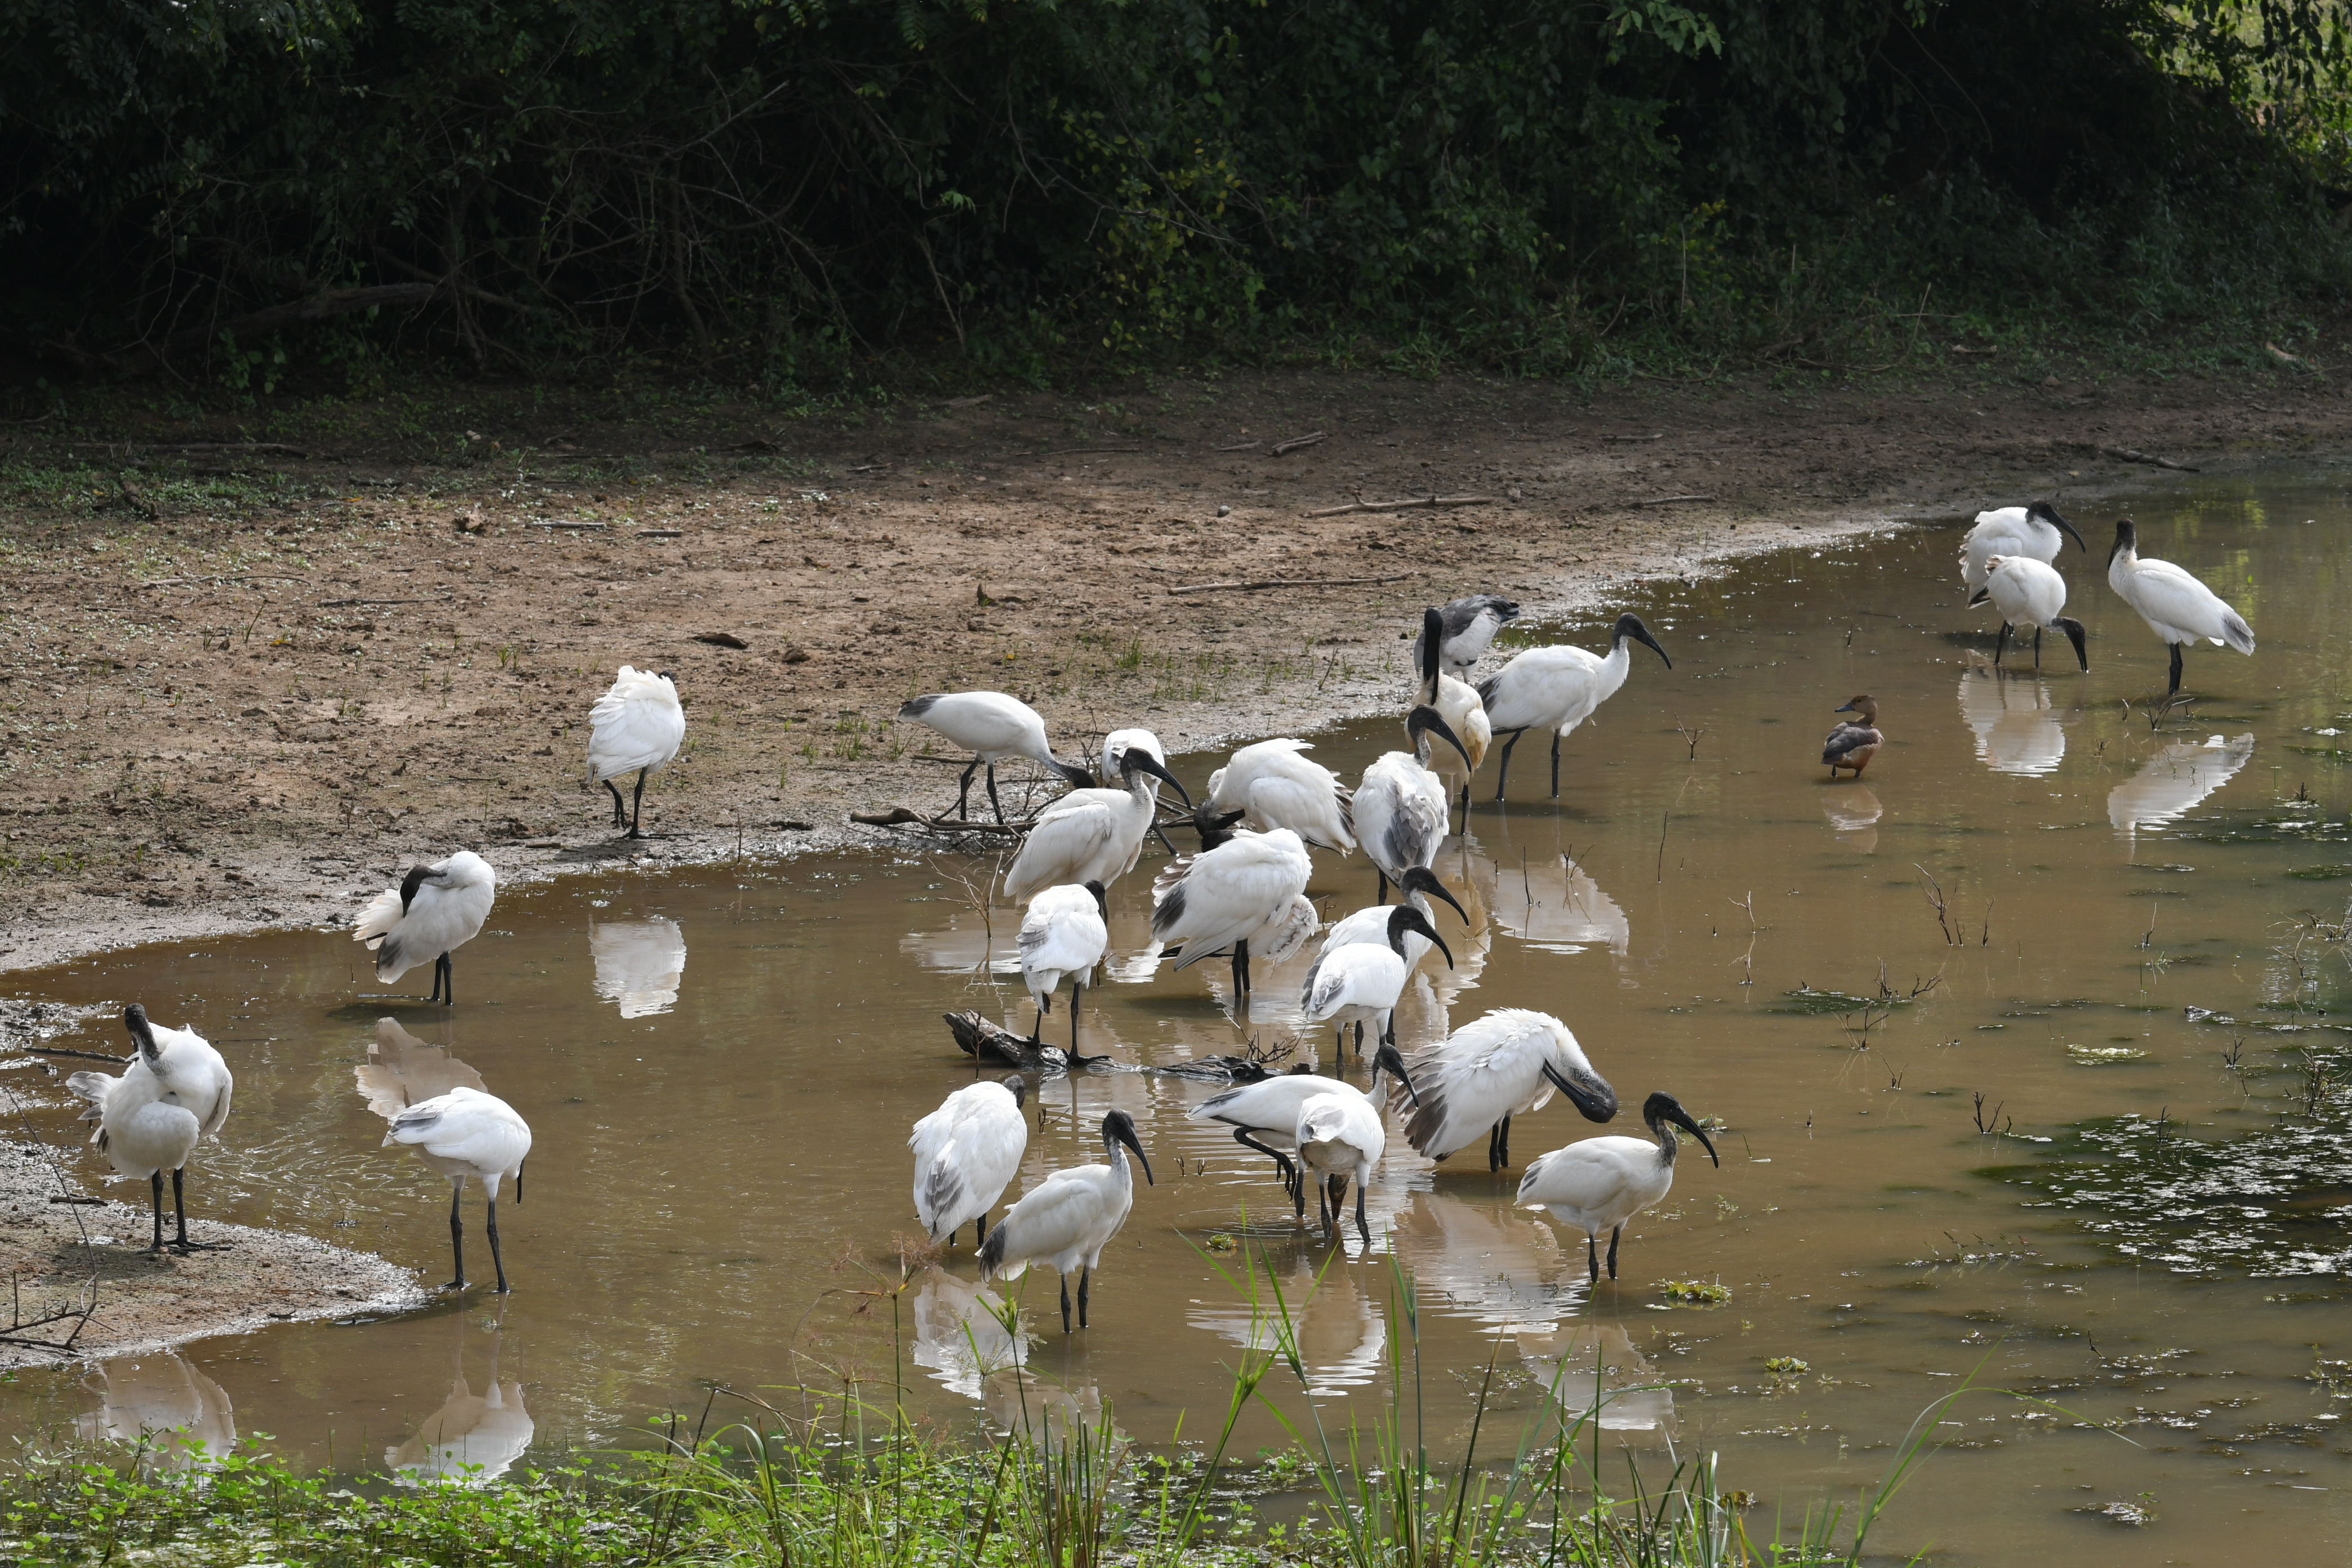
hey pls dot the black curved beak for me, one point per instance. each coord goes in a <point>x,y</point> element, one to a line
<point>1143,760</point>
<point>2125,533</point>
<point>1427,882</point>
<point>1643,633</point>
<point>1589,1092</point>
<point>1078,777</point>
<point>1127,1136</point>
<point>1979,597</point>
<point>2064,527</point>
<point>1681,1119</point>
<point>2073,630</point>
<point>1389,1060</point>
<point>135,1019</point>
<point>1430,933</point>
<point>1427,717</point>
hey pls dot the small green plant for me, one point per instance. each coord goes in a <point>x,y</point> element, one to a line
<point>1787,1366</point>
<point>1694,1292</point>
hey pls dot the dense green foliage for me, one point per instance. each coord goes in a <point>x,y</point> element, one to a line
<point>782,185</point>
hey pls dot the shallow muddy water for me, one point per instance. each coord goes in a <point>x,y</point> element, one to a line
<point>721,1069</point>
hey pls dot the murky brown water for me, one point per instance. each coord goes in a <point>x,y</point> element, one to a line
<point>721,1069</point>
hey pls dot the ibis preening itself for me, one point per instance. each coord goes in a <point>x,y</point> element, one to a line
<point>1268,1109</point>
<point>1361,982</point>
<point>2029,593</point>
<point>2176,607</point>
<point>1466,628</point>
<point>1371,924</point>
<point>436,910</point>
<point>1855,740</point>
<point>1062,937</point>
<point>1115,745</point>
<point>634,728</point>
<point>1492,1069</point>
<point>1092,834</point>
<point>991,727</point>
<point>1600,1183</point>
<point>1401,807</point>
<point>1252,886</point>
<point>466,1133</point>
<point>1460,706</point>
<point>2036,531</point>
<point>1557,689</point>
<point>1274,786</point>
<point>965,1153</point>
<point>1065,1221</point>
<point>175,1091</point>
<point>1339,1139</point>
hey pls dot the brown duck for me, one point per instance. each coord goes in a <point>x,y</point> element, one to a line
<point>1855,740</point>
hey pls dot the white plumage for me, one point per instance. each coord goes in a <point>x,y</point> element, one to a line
<point>991,727</point>
<point>1251,886</point>
<point>1062,937</point>
<point>435,910</point>
<point>1370,923</point>
<point>638,963</point>
<point>1360,983</point>
<point>1065,1221</point>
<point>1492,1069</point>
<point>1558,688</point>
<point>636,727</point>
<point>1264,1115</point>
<point>1468,626</point>
<point>965,1153</point>
<point>1274,786</point>
<point>2017,729</point>
<point>1091,835</point>
<point>2029,593</point>
<point>2177,607</point>
<point>1113,754</point>
<point>465,1132</point>
<point>1339,1140</point>
<point>1461,708</point>
<point>1401,810</point>
<point>2036,531</point>
<point>175,1091</point>
<point>1600,1183</point>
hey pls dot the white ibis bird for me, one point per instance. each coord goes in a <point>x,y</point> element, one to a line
<point>1091,835</point>
<point>1855,740</point>
<point>1361,982</point>
<point>1253,885</point>
<point>1558,688</point>
<point>1402,809</point>
<point>463,1134</point>
<point>1371,924</point>
<point>1492,1069</point>
<point>1063,936</point>
<point>1462,709</point>
<point>965,1153</point>
<point>1274,786</point>
<point>1600,1183</point>
<point>436,910</point>
<point>1466,628</point>
<point>2036,531</point>
<point>1268,1109</point>
<point>2175,605</point>
<point>1115,745</point>
<point>991,727</point>
<point>1339,1139</point>
<point>2029,593</point>
<point>1065,1221</point>
<point>176,1090</point>
<point>635,728</point>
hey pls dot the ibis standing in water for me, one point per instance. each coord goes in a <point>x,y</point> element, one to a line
<point>1402,809</point>
<point>965,1153</point>
<point>1466,629</point>
<point>176,1090</point>
<point>2175,605</point>
<point>436,910</point>
<point>1362,981</point>
<point>1273,785</point>
<point>1339,1139</point>
<point>991,727</point>
<point>1091,835</point>
<point>468,1133</point>
<point>1492,1069</point>
<point>1065,1221</point>
<point>1600,1183</point>
<point>2036,531</point>
<point>2028,593</point>
<point>1063,936</point>
<point>1115,745</point>
<point>1459,705</point>
<point>1269,1109</point>
<point>1370,926</point>
<point>634,728</point>
<point>1251,886</point>
<point>1558,688</point>
<point>1855,740</point>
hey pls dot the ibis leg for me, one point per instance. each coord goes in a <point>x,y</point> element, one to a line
<point>1240,967</point>
<point>436,983</point>
<point>1555,764</point>
<point>155,1180</point>
<point>1592,1260</point>
<point>1495,1147</point>
<point>496,1261</point>
<point>1086,1279</point>
<point>1616,1236</point>
<point>2037,647</point>
<point>1281,1160</point>
<point>1360,1039</point>
<point>1505,1150</point>
<point>619,818</point>
<point>963,793</point>
<point>2174,689</point>
<point>1465,807</point>
<point>1503,771</point>
<point>1066,1304</point>
<point>2000,645</point>
<point>1384,887</point>
<point>1038,1029</point>
<point>637,804</point>
<point>456,1240</point>
<point>449,982</point>
<point>180,1211</point>
<point>1074,1017</point>
<point>992,801</point>
<point>1161,834</point>
<point>1363,1228</point>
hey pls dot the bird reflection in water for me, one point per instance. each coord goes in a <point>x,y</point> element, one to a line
<point>182,1418</point>
<point>1550,904</point>
<point>1497,1267</point>
<point>1343,1335</point>
<point>1854,812</point>
<point>962,1340</point>
<point>473,1438</point>
<point>638,964</point>
<point>1590,1366</point>
<point>2174,781</point>
<point>2018,730</point>
<point>403,1070</point>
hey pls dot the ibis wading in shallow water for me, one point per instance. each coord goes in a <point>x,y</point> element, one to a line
<point>1115,745</point>
<point>1467,627</point>
<point>1371,924</point>
<point>991,727</point>
<point>1492,1069</point>
<point>463,1134</point>
<point>175,1091</point>
<point>1855,740</point>
<point>1362,981</point>
<point>1251,886</point>
<point>2036,531</point>
<point>2029,593</point>
<point>1273,785</point>
<point>1091,835</point>
<point>1600,1183</point>
<point>1062,937</point>
<point>1269,1109</point>
<point>1558,688</point>
<point>436,910</point>
<point>1339,1139</point>
<point>634,728</point>
<point>2175,605</point>
<point>1401,809</point>
<point>1065,1221</point>
<point>965,1153</point>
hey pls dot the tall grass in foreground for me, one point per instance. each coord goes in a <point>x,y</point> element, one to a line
<point>848,1485</point>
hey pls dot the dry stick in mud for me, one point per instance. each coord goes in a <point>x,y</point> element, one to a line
<point>17,1323</point>
<point>1257,584</point>
<point>1441,503</point>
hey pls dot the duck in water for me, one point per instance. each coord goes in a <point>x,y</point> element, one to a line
<point>1855,740</point>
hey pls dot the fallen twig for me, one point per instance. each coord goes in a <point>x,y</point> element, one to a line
<point>901,816</point>
<point>2131,454</point>
<point>1253,586</point>
<point>347,604</point>
<point>1653,435</point>
<point>1295,442</point>
<point>1670,500</point>
<point>1070,451</point>
<point>1240,446</point>
<point>81,1056</point>
<point>721,639</point>
<point>579,525</point>
<point>1439,502</point>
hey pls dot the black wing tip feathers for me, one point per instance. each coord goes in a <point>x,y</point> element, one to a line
<point>918,707</point>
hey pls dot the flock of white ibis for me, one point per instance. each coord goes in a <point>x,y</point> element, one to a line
<point>1243,894</point>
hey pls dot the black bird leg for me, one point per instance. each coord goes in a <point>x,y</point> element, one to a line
<point>448,981</point>
<point>963,794</point>
<point>180,1209</point>
<point>1038,1029</point>
<point>637,804</point>
<point>1241,968</point>
<point>1362,1228</point>
<point>1281,1160</point>
<point>2000,645</point>
<point>437,981</point>
<point>1360,1039</point>
<point>2037,647</point>
<point>1086,1279</point>
<point>155,1180</point>
<point>457,1239</point>
<point>619,819</point>
<point>1495,1147</point>
<point>992,801</point>
<point>1507,1142</point>
<point>1162,834</point>
<point>1384,887</point>
<point>1615,1236</point>
<point>1066,1304</point>
<point>1555,764</point>
<point>500,1264</point>
<point>1502,772</point>
<point>2174,689</point>
<point>1592,1260</point>
<point>1074,1019</point>
<point>1465,828</point>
